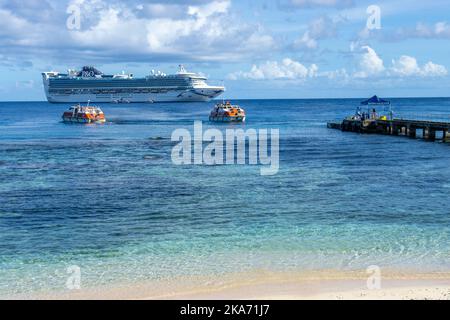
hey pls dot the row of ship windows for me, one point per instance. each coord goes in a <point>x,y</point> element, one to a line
<point>107,91</point>
<point>109,87</point>
<point>122,83</point>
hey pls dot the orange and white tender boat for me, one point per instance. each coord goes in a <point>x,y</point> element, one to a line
<point>226,112</point>
<point>84,114</point>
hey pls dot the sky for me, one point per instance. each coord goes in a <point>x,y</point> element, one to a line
<point>258,49</point>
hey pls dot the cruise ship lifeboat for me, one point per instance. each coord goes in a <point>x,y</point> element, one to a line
<point>226,112</point>
<point>84,114</point>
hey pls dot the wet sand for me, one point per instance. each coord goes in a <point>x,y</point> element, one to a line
<point>263,285</point>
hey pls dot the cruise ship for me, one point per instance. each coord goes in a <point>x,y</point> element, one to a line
<point>90,84</point>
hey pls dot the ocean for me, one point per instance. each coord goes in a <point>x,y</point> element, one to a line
<point>108,199</point>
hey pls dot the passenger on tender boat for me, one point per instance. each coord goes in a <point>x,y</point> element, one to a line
<point>226,112</point>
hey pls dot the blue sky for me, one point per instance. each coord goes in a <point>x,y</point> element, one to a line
<point>260,49</point>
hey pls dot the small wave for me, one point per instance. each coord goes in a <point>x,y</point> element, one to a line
<point>153,157</point>
<point>178,122</point>
<point>141,121</point>
<point>124,121</point>
<point>157,138</point>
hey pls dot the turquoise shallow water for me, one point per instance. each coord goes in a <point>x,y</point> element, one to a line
<point>108,198</point>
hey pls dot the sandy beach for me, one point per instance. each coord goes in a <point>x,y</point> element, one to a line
<point>320,285</point>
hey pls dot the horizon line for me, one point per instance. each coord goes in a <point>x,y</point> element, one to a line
<point>337,98</point>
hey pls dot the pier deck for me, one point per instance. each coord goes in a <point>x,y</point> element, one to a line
<point>397,127</point>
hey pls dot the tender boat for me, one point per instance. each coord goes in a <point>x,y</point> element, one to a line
<point>226,112</point>
<point>84,114</point>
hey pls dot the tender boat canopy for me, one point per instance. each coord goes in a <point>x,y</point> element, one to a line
<point>375,101</point>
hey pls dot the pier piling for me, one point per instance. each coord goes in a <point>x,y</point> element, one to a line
<point>412,132</point>
<point>446,135</point>
<point>430,134</point>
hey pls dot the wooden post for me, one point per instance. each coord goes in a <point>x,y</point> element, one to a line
<point>412,132</point>
<point>446,136</point>
<point>394,130</point>
<point>404,131</point>
<point>387,129</point>
<point>430,134</point>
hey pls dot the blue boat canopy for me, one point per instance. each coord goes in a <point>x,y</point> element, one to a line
<point>375,101</point>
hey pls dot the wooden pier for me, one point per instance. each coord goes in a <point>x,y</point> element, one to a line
<point>431,131</point>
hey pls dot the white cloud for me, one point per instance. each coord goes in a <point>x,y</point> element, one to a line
<point>370,64</point>
<point>305,42</point>
<point>209,9</point>
<point>116,31</point>
<point>272,70</point>
<point>32,10</point>
<point>204,32</point>
<point>321,28</point>
<point>340,74</point>
<point>440,30</point>
<point>25,84</point>
<point>12,26</point>
<point>434,70</point>
<point>407,66</point>
<point>315,3</point>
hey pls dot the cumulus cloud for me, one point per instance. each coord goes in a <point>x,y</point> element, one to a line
<point>305,42</point>
<point>407,66</point>
<point>370,64</point>
<point>434,70</point>
<point>32,10</point>
<point>339,74</point>
<point>287,69</point>
<point>440,30</point>
<point>311,4</point>
<point>321,28</point>
<point>203,33</point>
<point>133,31</point>
<point>11,62</point>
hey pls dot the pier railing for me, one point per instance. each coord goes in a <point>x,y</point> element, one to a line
<point>437,117</point>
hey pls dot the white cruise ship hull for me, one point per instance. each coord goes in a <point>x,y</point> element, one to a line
<point>194,95</point>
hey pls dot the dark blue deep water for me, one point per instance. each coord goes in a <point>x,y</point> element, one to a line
<point>108,198</point>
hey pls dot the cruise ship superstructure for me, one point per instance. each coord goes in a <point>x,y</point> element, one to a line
<point>90,84</point>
